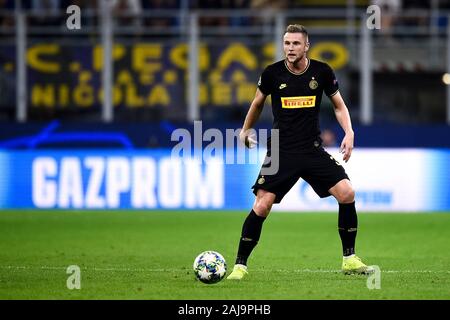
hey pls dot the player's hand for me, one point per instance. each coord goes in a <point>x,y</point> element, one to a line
<point>347,146</point>
<point>248,138</point>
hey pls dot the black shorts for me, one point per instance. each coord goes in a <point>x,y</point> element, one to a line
<point>316,166</point>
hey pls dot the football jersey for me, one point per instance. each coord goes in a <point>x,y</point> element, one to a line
<point>296,99</point>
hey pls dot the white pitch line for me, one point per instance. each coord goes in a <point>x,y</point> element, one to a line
<point>120,269</point>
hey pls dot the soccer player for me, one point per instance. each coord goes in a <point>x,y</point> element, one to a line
<point>296,85</point>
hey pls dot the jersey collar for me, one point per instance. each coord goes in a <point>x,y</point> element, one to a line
<point>297,73</point>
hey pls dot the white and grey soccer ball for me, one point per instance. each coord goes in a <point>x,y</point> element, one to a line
<point>210,267</point>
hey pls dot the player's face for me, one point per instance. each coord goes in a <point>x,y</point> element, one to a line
<point>295,46</point>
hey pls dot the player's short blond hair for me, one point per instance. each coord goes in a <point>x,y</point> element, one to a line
<point>297,28</point>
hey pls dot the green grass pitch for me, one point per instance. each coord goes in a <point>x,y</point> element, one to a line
<point>149,255</point>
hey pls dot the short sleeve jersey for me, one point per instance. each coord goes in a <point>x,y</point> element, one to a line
<point>296,99</point>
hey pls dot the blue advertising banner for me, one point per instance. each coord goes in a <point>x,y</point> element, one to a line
<point>384,180</point>
<point>112,179</point>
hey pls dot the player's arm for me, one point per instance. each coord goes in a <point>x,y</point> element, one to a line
<point>343,117</point>
<point>253,114</point>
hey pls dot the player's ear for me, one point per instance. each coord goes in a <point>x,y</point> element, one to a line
<point>307,46</point>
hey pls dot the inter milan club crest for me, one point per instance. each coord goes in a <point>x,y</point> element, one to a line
<point>313,84</point>
<point>261,180</point>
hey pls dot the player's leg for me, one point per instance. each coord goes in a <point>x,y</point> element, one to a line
<point>251,231</point>
<point>268,189</point>
<point>327,177</point>
<point>252,227</point>
<point>348,226</point>
<point>347,218</point>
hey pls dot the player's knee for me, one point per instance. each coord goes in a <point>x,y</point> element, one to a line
<point>347,195</point>
<point>262,207</point>
<point>263,203</point>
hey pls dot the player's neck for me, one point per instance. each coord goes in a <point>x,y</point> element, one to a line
<point>298,67</point>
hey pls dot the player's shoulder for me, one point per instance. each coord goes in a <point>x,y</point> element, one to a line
<point>275,67</point>
<point>316,64</point>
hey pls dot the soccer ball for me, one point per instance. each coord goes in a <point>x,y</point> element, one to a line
<point>210,267</point>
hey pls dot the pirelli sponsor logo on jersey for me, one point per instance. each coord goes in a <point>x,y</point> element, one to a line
<point>298,102</point>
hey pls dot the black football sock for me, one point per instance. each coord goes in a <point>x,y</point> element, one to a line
<point>251,231</point>
<point>347,226</point>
